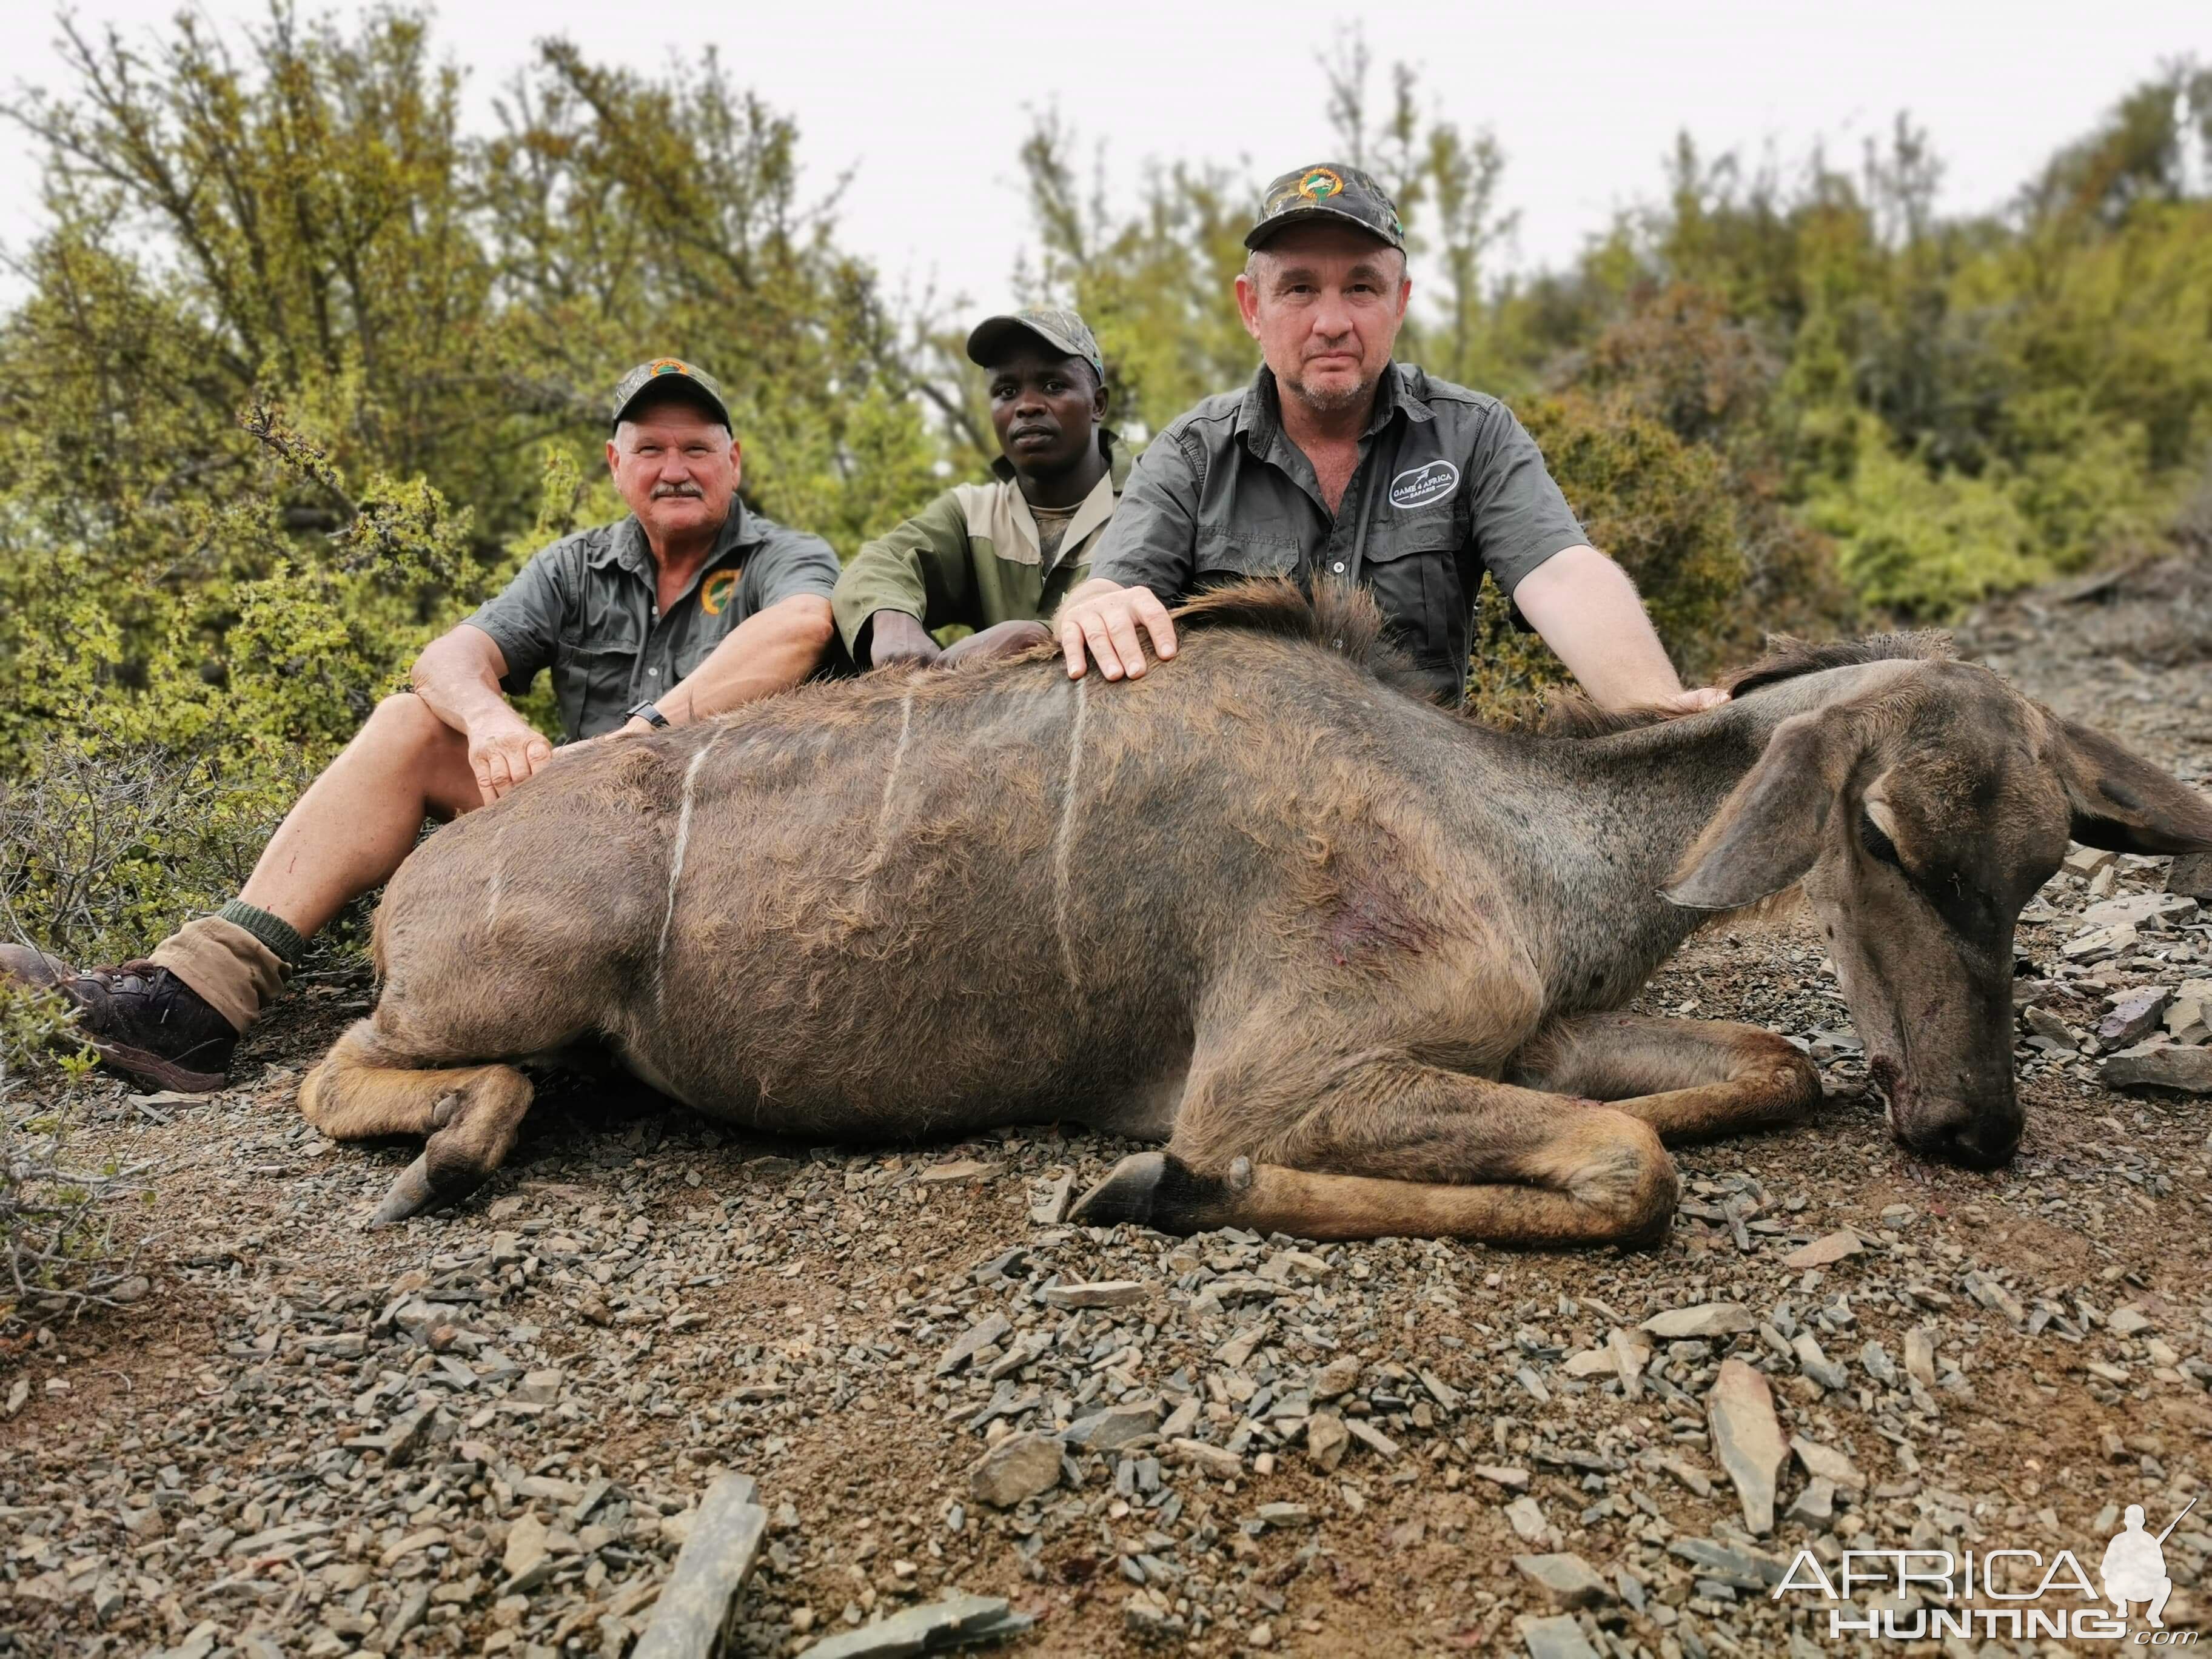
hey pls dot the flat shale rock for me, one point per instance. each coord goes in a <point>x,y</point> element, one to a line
<point>1824,1252</point>
<point>1020,1466</point>
<point>2133,1015</point>
<point>956,1622</point>
<point>1569,1580</point>
<point>701,1598</point>
<point>2161,1066</point>
<point>1707,1319</point>
<point>1106,1293</point>
<point>1325,1439</point>
<point>1826,1463</point>
<point>1113,1428</point>
<point>1747,1440</point>
<point>1558,1637</point>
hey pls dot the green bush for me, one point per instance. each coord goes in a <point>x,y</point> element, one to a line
<point>1659,505</point>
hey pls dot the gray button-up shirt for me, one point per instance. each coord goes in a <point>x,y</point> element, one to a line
<point>1447,485</point>
<point>588,608</point>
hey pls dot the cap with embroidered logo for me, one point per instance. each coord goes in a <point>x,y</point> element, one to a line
<point>665,375</point>
<point>1327,190</point>
<point>1063,329</point>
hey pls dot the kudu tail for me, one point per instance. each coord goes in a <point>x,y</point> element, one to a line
<point>469,1114</point>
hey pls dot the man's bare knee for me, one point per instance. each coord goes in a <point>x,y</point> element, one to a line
<point>404,721</point>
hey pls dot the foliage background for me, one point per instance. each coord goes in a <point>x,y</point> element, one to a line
<point>306,366</point>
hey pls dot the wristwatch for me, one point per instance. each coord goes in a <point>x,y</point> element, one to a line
<point>645,711</point>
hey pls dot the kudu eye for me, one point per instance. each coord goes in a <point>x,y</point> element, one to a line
<point>1878,845</point>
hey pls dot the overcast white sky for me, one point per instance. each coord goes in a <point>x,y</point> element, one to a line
<point>927,102</point>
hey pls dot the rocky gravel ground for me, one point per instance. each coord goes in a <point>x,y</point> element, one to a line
<point>489,1431</point>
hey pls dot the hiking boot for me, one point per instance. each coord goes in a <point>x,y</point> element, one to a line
<point>143,1020</point>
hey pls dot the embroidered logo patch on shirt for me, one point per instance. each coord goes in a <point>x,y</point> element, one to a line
<point>1418,486</point>
<point>714,592</point>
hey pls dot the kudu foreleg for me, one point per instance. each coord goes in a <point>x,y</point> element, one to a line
<point>1399,1149</point>
<point>469,1114</point>
<point>1689,1080</point>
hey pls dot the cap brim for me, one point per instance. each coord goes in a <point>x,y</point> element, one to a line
<point>674,386</point>
<point>990,341</point>
<point>1267,229</point>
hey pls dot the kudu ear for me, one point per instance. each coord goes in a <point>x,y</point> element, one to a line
<point>1767,832</point>
<point>2123,804</point>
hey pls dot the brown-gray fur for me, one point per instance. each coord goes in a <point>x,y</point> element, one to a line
<point>1358,961</point>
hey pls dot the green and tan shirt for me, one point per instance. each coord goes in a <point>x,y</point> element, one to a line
<point>975,556</point>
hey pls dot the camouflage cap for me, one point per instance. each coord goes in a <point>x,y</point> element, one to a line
<point>1063,330</point>
<point>670,374</point>
<point>1327,190</point>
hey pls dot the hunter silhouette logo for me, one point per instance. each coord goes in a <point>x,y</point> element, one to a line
<point>2133,1567</point>
<point>1920,1594</point>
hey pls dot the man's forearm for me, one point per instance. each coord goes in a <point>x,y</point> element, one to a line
<point>1586,609</point>
<point>457,677</point>
<point>770,651</point>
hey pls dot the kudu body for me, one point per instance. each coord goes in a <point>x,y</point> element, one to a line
<point>1356,961</point>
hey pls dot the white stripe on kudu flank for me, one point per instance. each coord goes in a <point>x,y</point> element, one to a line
<point>498,880</point>
<point>1063,844</point>
<point>891,778</point>
<point>675,857</point>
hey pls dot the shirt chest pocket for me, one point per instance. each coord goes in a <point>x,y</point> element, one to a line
<point>1413,570</point>
<point>1233,555</point>
<point>591,679</point>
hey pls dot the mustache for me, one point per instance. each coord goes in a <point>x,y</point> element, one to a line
<point>662,492</point>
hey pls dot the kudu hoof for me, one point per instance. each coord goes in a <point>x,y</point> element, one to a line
<point>1126,1194</point>
<point>1150,1189</point>
<point>415,1191</point>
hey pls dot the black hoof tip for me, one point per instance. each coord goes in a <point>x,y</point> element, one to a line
<point>1126,1194</point>
<point>1152,1189</point>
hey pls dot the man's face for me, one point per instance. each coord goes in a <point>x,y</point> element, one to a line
<point>676,465</point>
<point>1046,408</point>
<point>1325,303</point>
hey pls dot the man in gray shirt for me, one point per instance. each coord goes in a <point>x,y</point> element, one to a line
<point>1338,463</point>
<point>689,606</point>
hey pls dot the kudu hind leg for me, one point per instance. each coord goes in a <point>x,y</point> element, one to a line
<point>1407,1150</point>
<point>1689,1080</point>
<point>469,1114</point>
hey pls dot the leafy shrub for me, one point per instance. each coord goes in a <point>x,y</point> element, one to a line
<point>61,1248</point>
<point>1659,505</point>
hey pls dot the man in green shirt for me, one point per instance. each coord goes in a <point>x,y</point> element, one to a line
<point>690,606</point>
<point>999,557</point>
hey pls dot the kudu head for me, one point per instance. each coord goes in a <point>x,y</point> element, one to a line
<point>1921,810</point>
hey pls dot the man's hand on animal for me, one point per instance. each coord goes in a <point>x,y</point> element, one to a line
<point>505,751</point>
<point>1006,639</point>
<point>1107,622</point>
<point>1586,610</point>
<point>896,639</point>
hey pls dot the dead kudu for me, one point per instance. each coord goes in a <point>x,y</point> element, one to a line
<point>1358,961</point>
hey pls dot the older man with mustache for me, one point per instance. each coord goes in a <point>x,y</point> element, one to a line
<point>1338,463</point>
<point>690,606</point>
